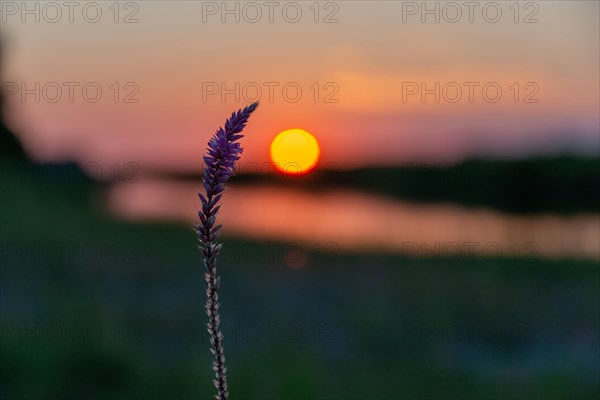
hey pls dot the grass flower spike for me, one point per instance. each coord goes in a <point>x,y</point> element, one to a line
<point>224,150</point>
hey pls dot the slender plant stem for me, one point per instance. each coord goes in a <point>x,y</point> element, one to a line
<point>223,151</point>
<point>214,319</point>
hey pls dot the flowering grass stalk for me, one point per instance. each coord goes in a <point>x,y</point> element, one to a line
<point>223,151</point>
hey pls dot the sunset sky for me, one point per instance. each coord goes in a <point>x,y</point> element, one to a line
<point>369,68</point>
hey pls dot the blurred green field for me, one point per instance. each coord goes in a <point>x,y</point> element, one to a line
<point>92,307</point>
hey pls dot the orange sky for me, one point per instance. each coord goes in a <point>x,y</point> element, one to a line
<point>361,79</point>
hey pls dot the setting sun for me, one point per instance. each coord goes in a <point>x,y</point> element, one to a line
<point>295,152</point>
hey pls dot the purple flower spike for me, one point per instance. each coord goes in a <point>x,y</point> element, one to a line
<point>223,151</point>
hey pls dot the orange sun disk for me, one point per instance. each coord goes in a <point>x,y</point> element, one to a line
<point>295,152</point>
